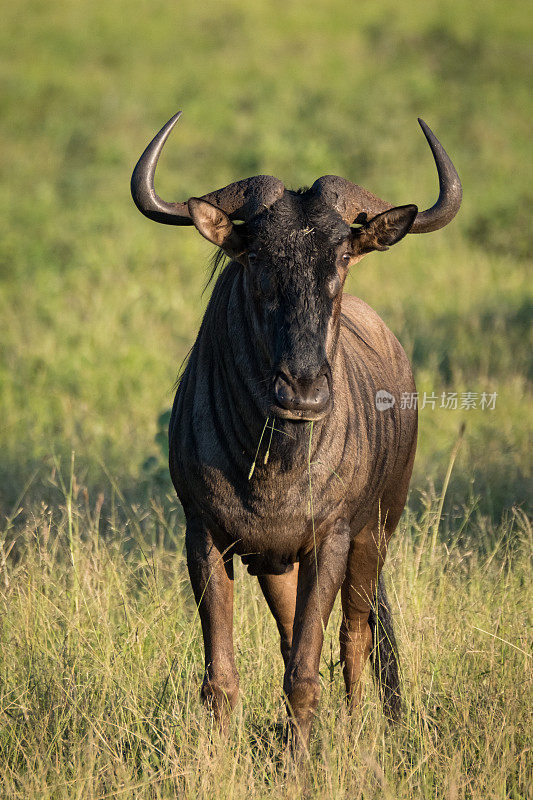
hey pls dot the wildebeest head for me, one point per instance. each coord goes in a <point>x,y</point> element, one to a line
<point>296,249</point>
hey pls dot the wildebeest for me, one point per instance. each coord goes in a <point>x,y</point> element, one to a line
<point>279,452</point>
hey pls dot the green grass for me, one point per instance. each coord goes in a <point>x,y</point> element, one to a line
<point>99,306</point>
<point>101,664</point>
<point>100,642</point>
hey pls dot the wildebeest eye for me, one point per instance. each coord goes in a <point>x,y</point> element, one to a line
<point>333,284</point>
<point>346,258</point>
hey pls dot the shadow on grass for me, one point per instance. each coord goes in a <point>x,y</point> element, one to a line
<point>504,326</point>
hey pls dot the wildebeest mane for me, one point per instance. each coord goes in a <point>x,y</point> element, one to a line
<point>217,262</point>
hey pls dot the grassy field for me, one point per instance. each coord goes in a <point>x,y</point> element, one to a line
<point>101,663</point>
<point>98,307</point>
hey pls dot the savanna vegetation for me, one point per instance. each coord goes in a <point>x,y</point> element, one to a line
<point>100,657</point>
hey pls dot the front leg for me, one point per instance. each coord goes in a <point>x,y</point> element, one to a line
<point>319,578</point>
<point>211,574</point>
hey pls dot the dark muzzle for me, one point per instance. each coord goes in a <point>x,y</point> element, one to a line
<point>302,398</point>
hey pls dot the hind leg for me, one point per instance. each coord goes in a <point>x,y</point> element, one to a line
<point>358,592</point>
<point>366,628</point>
<point>280,594</point>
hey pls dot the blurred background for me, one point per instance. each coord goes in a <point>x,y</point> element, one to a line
<point>99,306</point>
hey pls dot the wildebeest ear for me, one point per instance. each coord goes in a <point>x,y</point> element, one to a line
<point>386,229</point>
<point>215,225</point>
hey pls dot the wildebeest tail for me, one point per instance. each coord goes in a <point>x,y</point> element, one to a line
<point>384,655</point>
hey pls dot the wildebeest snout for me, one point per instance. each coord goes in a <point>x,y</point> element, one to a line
<point>302,398</point>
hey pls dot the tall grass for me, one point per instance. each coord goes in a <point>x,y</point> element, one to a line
<point>100,656</point>
<point>101,662</point>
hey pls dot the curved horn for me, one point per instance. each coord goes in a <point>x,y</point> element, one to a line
<point>450,189</point>
<point>354,203</point>
<point>240,200</point>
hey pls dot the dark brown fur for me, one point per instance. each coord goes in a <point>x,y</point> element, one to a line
<point>330,493</point>
<point>277,450</point>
